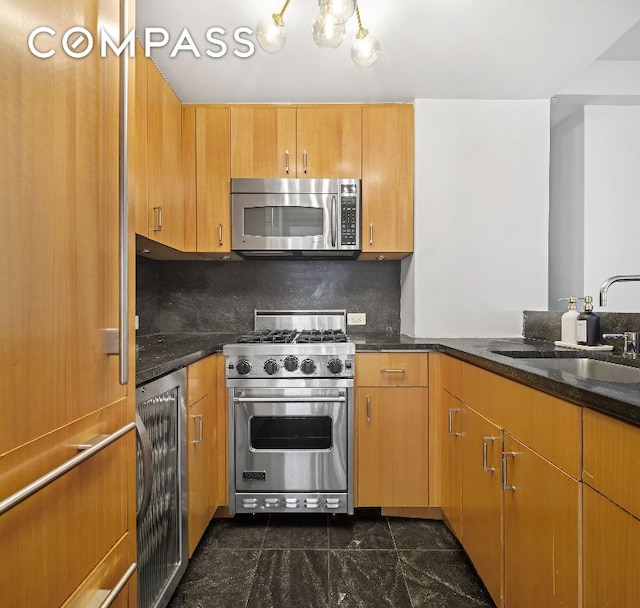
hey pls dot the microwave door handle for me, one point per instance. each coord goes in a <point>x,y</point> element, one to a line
<point>334,220</point>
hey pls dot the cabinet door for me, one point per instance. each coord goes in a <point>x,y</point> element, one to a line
<point>220,497</point>
<point>541,531</point>
<point>164,161</point>
<point>138,162</point>
<point>387,180</point>
<point>611,541</point>
<point>482,499</point>
<point>59,230</point>
<point>451,458</point>
<point>392,447</point>
<point>329,142</point>
<point>263,142</point>
<point>199,466</point>
<point>212,180</point>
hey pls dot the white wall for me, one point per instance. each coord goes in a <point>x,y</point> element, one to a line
<point>481,218</point>
<point>612,202</point>
<point>566,211</point>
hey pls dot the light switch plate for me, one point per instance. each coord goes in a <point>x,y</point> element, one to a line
<point>356,318</point>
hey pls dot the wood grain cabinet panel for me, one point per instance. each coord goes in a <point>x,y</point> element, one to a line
<point>213,184</point>
<point>451,459</point>
<point>612,459</point>
<point>482,498</point>
<point>387,180</point>
<point>541,531</point>
<point>611,539</point>
<point>392,369</point>
<point>263,142</point>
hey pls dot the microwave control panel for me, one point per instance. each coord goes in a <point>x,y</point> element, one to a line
<point>348,214</point>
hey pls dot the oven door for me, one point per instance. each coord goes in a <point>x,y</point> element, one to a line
<point>291,440</point>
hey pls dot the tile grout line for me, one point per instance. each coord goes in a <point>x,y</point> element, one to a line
<point>255,570</point>
<point>402,572</point>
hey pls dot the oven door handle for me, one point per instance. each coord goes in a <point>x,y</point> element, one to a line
<point>340,399</point>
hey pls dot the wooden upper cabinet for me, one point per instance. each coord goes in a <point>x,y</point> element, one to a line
<point>329,142</point>
<point>164,162</point>
<point>212,180</point>
<point>284,141</point>
<point>387,181</point>
<point>138,161</point>
<point>263,142</point>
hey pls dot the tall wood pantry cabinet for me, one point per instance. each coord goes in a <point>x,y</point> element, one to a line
<point>65,401</point>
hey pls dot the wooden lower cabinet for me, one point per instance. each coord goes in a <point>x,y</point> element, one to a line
<point>611,538</point>
<point>451,458</point>
<point>220,494</point>
<point>541,531</point>
<point>202,381</point>
<point>392,440</point>
<point>482,504</point>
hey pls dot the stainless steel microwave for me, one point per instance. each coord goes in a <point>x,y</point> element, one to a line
<point>295,218</point>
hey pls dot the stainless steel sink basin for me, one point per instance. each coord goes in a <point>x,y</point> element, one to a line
<point>536,354</point>
<point>590,369</point>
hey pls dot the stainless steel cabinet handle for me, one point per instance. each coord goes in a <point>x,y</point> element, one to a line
<point>286,161</point>
<point>158,226</point>
<point>113,594</point>
<point>485,443</point>
<point>123,199</point>
<point>304,161</point>
<point>451,412</point>
<point>42,482</point>
<point>392,371</point>
<point>199,418</point>
<point>505,486</point>
<point>220,241</point>
<point>292,399</point>
<point>142,436</point>
<point>368,408</point>
<point>334,220</point>
<point>371,233</point>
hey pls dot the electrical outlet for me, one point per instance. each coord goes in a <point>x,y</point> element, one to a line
<point>137,322</point>
<point>356,318</point>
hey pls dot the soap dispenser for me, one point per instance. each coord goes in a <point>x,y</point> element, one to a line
<point>588,324</point>
<point>568,322</point>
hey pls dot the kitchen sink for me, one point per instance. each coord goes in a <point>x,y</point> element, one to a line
<point>590,369</point>
<point>538,354</point>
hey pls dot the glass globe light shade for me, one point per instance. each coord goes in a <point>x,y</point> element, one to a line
<point>365,50</point>
<point>339,10</point>
<point>327,34</point>
<point>270,35</point>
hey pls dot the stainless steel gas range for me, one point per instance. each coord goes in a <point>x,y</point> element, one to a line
<point>290,385</point>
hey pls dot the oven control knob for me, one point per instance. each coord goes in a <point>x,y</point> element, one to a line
<point>270,366</point>
<point>291,363</point>
<point>308,366</point>
<point>243,367</point>
<point>335,366</point>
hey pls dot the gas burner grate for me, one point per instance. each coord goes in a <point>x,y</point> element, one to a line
<point>312,336</point>
<point>267,336</point>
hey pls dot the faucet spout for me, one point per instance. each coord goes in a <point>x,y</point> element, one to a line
<point>615,279</point>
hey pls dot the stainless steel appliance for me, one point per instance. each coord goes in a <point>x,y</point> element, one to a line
<point>161,488</point>
<point>295,217</point>
<point>290,385</point>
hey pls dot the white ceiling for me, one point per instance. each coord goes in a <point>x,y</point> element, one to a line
<point>477,49</point>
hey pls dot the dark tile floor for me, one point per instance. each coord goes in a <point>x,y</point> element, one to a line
<point>326,561</point>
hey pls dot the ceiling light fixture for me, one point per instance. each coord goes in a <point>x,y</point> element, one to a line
<point>327,29</point>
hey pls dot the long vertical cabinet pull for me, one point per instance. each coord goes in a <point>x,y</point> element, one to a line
<point>304,161</point>
<point>286,162</point>
<point>199,418</point>
<point>485,447</point>
<point>124,200</point>
<point>452,411</point>
<point>371,233</point>
<point>158,226</point>
<point>368,408</point>
<point>220,235</point>
<point>505,485</point>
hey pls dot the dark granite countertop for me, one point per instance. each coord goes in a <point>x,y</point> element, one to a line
<point>162,353</point>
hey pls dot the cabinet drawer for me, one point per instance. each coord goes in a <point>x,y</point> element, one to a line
<point>392,369</point>
<point>114,569</point>
<point>611,459</point>
<point>55,538</point>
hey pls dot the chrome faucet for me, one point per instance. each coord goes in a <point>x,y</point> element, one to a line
<point>616,279</point>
